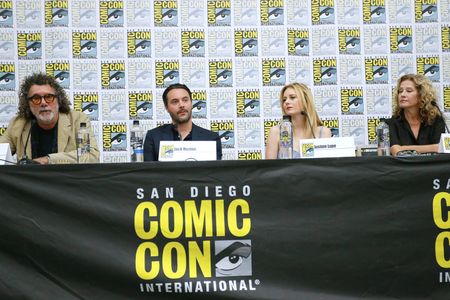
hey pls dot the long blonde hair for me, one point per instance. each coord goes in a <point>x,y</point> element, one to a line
<point>427,95</point>
<point>306,100</point>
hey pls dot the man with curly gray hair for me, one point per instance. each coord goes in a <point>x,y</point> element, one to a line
<point>45,127</point>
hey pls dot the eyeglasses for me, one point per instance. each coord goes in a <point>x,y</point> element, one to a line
<point>36,99</point>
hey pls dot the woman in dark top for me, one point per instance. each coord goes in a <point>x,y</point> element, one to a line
<point>417,122</point>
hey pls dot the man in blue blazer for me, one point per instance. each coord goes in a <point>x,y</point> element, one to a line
<point>178,103</point>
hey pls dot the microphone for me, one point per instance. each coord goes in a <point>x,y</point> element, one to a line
<point>303,113</point>
<point>434,103</point>
<point>9,162</point>
<point>25,160</point>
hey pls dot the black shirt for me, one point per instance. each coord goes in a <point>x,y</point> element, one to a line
<point>401,133</point>
<point>43,142</point>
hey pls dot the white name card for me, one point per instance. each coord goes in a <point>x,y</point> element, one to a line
<point>5,155</point>
<point>187,150</point>
<point>328,147</point>
<point>444,143</point>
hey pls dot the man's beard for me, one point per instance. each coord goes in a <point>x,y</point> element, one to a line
<point>181,120</point>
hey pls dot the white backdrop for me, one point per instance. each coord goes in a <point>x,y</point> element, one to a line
<point>116,57</point>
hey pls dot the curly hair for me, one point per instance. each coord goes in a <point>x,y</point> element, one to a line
<point>428,109</point>
<point>40,79</point>
<point>306,98</point>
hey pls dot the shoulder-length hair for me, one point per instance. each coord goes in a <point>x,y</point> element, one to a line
<point>307,102</point>
<point>40,79</point>
<point>428,110</point>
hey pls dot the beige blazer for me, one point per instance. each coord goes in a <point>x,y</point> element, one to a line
<point>68,125</point>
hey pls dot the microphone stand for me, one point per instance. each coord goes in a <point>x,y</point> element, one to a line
<point>434,103</point>
<point>25,160</point>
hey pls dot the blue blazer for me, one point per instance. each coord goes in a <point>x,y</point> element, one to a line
<point>165,133</point>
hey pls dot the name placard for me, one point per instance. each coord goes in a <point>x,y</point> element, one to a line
<point>5,155</point>
<point>328,147</point>
<point>444,143</point>
<point>187,150</point>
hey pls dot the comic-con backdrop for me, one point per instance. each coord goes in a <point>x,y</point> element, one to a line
<point>116,57</point>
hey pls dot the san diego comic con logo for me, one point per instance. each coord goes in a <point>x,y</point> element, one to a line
<point>372,124</point>
<point>60,71</point>
<point>272,12</point>
<point>441,218</point>
<point>220,73</point>
<point>84,13</point>
<point>401,39</point>
<point>140,105</point>
<point>246,42</point>
<point>86,103</point>
<point>56,13</point>
<point>225,130</point>
<point>445,36</point>
<point>6,14</point>
<point>298,42</point>
<point>113,75</point>
<point>139,44</point>
<point>7,77</point>
<point>84,44</point>
<point>165,13</point>
<point>426,11</point>
<point>267,125</point>
<point>325,71</point>
<point>446,92</point>
<point>193,43</point>
<point>374,11</point>
<point>248,103</point>
<point>199,104</point>
<point>114,137</point>
<point>167,73</point>
<point>349,41</point>
<point>29,45</point>
<point>333,124</point>
<point>429,66</point>
<point>273,72</point>
<point>219,13</point>
<point>249,155</point>
<point>191,246</point>
<point>111,14</point>
<point>322,12</point>
<point>377,70</point>
<point>352,101</point>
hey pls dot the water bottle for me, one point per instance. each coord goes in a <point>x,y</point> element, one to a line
<point>285,151</point>
<point>384,144</point>
<point>83,144</point>
<point>136,142</point>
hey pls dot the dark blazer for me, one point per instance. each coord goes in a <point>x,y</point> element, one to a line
<point>166,133</point>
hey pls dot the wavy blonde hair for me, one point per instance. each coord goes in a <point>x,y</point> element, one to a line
<point>307,102</point>
<point>427,95</point>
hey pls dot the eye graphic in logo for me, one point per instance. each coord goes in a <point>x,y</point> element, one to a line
<point>355,105</point>
<point>6,18</point>
<point>327,45</point>
<point>90,109</point>
<point>144,109</point>
<point>248,16</point>
<point>223,47</point>
<point>251,77</point>
<point>326,15</point>
<point>88,48</point>
<point>301,17</point>
<point>403,14</point>
<point>351,15</point>
<point>233,258</point>
<point>31,16</point>
<point>276,46</point>
<point>115,17</point>
<point>430,43</point>
<point>353,45</point>
<point>250,47</point>
<point>63,78</point>
<point>87,17</point>
<point>380,75</point>
<point>143,79</point>
<point>302,74</point>
<point>169,16</point>
<point>276,16</point>
<point>278,76</point>
<point>61,49</point>
<point>227,138</point>
<point>7,81</point>
<point>142,17</point>
<point>171,77</point>
<point>329,75</point>
<point>225,108</point>
<point>195,16</point>
<point>117,79</point>
<point>378,44</point>
<point>169,46</point>
<point>6,49</point>
<point>224,77</point>
<point>357,132</point>
<point>7,110</point>
<point>197,47</point>
<point>405,44</point>
<point>199,109</point>
<point>354,75</point>
<point>378,14</point>
<point>380,102</point>
<point>223,16</point>
<point>34,49</point>
<point>119,141</point>
<point>89,79</point>
<point>432,72</point>
<point>429,13</point>
<point>302,46</point>
<point>60,16</point>
<point>334,131</point>
<point>117,110</point>
<point>143,48</point>
<point>251,107</point>
<point>252,138</point>
<point>330,103</point>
